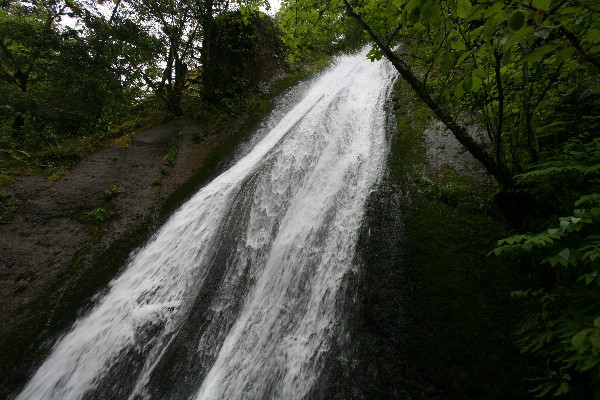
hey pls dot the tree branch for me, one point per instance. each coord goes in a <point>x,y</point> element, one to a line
<point>459,132</point>
<point>579,48</point>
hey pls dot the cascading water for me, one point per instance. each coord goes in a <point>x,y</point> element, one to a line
<point>237,295</point>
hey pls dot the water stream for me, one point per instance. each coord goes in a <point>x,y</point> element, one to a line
<point>237,296</point>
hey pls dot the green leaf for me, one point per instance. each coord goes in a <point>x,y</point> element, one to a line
<point>467,84</point>
<point>583,199</point>
<point>411,5</point>
<point>589,363</point>
<point>542,4</point>
<point>592,36</point>
<point>496,8</point>
<point>446,65</point>
<point>516,37</point>
<point>477,82</point>
<point>463,8</point>
<point>489,28</point>
<point>462,57</point>
<point>562,389</point>
<point>538,53</point>
<point>542,33</point>
<point>459,91</point>
<point>579,339</point>
<point>427,10</point>
<point>543,389</point>
<point>516,20</point>
<point>414,15</point>
<point>597,322</point>
<point>457,45</point>
<point>563,262</point>
<point>565,254</point>
<point>589,278</point>
<point>562,56</point>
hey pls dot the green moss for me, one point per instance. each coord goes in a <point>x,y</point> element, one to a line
<point>438,319</point>
<point>8,210</point>
<point>57,172</point>
<point>5,180</point>
<point>137,124</point>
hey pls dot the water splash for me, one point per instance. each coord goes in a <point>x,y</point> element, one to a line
<point>236,295</point>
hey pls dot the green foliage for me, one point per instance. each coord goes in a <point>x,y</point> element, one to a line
<point>506,65</point>
<point>516,20</point>
<point>111,192</point>
<point>171,157</point>
<point>563,323</point>
<point>526,73</point>
<point>97,215</point>
<point>58,80</point>
<point>457,194</point>
<point>311,31</point>
<point>63,83</point>
<point>558,182</point>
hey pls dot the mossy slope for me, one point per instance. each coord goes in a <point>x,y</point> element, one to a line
<point>436,319</point>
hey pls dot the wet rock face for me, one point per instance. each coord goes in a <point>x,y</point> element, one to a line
<point>444,152</point>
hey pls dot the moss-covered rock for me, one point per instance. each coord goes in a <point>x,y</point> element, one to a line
<point>436,320</point>
<point>246,52</point>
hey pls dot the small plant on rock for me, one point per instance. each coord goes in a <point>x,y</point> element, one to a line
<point>98,215</point>
<point>111,192</point>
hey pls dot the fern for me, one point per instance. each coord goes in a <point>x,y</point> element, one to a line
<point>563,321</point>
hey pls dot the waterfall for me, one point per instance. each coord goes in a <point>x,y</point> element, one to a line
<point>237,295</point>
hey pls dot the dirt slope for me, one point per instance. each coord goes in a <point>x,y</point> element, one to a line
<point>49,252</point>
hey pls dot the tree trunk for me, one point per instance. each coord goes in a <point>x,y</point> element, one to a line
<point>532,139</point>
<point>460,133</point>
<point>19,122</point>
<point>208,44</point>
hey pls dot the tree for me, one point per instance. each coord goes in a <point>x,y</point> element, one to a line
<point>525,73</point>
<point>28,36</point>
<point>472,62</point>
<point>177,28</point>
<point>308,28</point>
<point>63,80</point>
<point>186,34</point>
<point>248,52</point>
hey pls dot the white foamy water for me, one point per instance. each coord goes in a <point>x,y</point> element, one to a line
<point>236,296</point>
